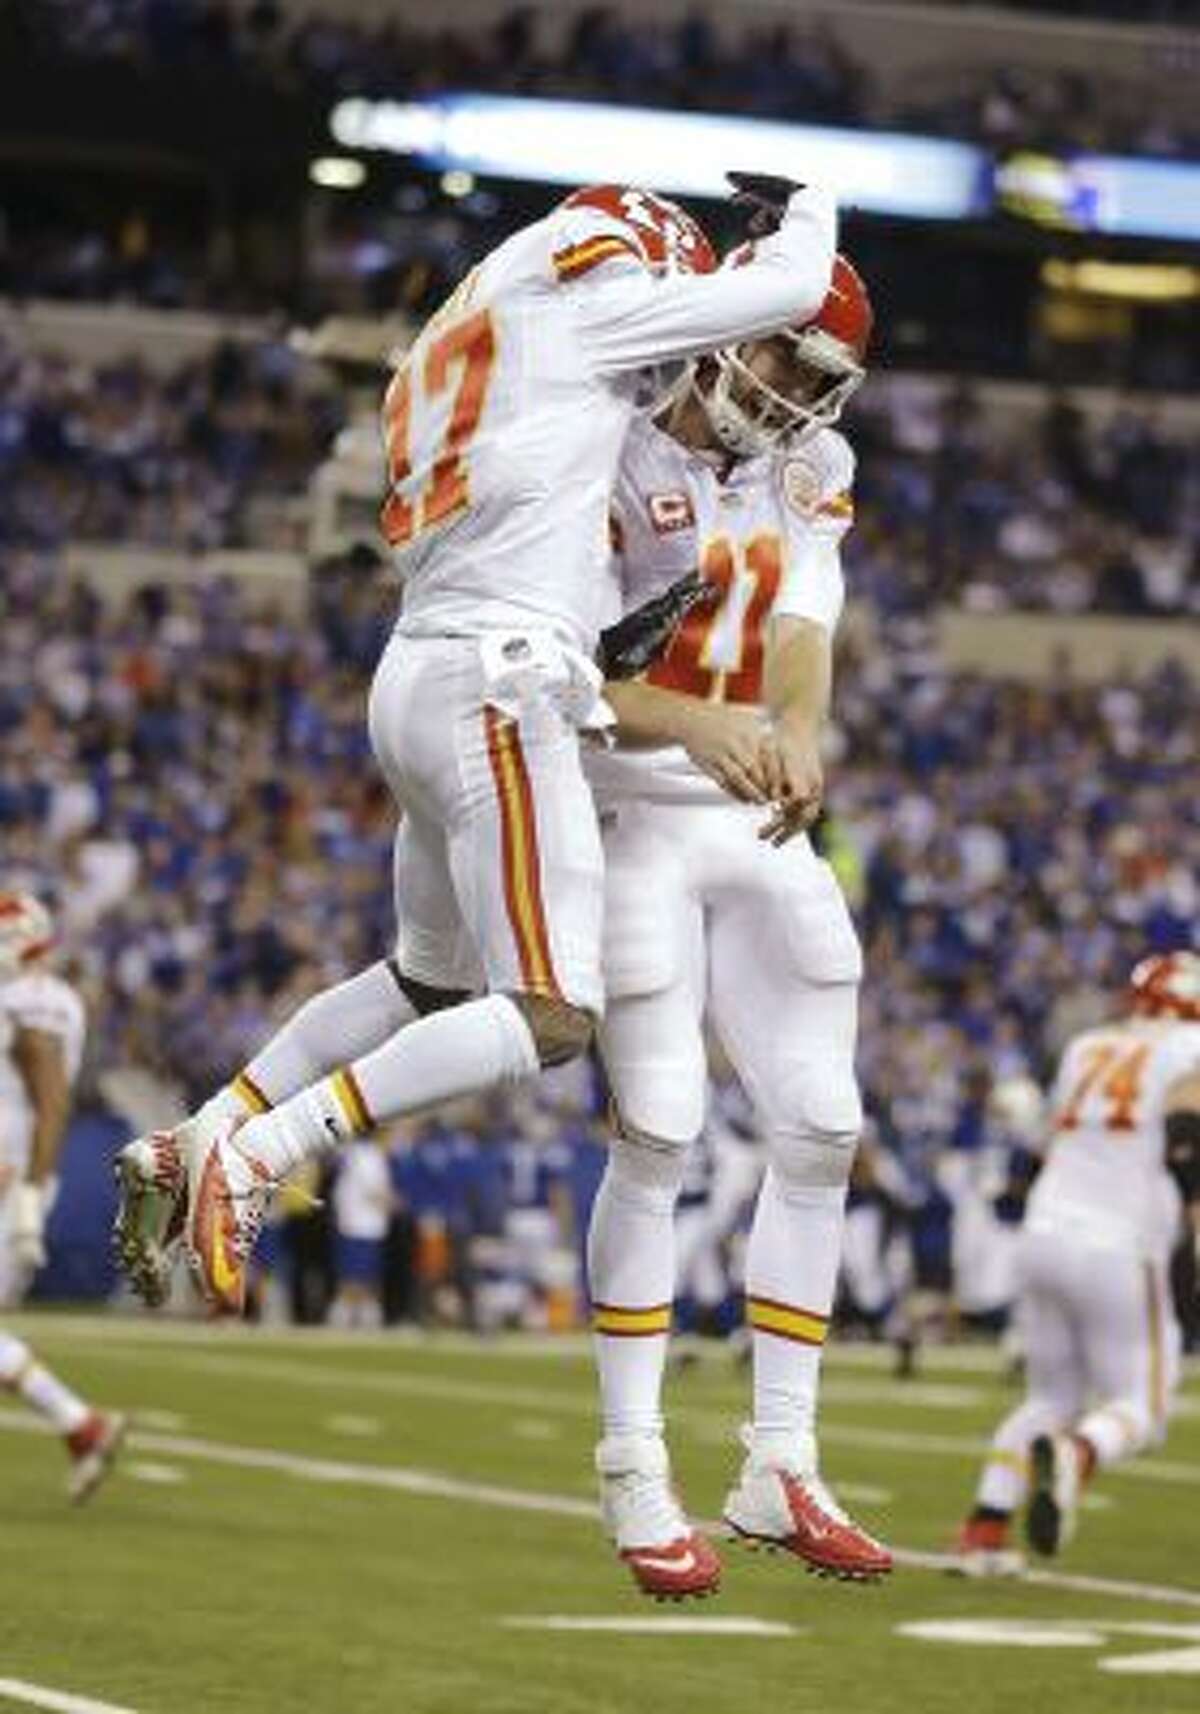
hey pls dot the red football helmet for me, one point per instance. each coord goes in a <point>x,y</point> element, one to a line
<point>666,236</point>
<point>26,931</point>
<point>1167,985</point>
<point>827,354</point>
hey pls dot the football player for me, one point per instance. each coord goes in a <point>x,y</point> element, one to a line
<point>715,900</point>
<point>1101,1339</point>
<point>503,424</point>
<point>41,1042</point>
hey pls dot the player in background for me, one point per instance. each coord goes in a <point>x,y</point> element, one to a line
<point>1101,1338</point>
<point>503,426</point>
<point>722,905</point>
<point>363,1203</point>
<point>41,1042</point>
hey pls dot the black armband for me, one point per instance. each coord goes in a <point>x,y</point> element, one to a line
<point>1183,1153</point>
<point>637,641</point>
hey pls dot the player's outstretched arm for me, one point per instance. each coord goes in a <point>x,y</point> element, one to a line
<point>629,318</point>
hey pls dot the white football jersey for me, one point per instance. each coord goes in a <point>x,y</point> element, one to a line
<point>768,534</point>
<point>33,1001</point>
<point>1104,1180</point>
<point>504,421</point>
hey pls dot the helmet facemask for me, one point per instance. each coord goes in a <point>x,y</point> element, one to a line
<point>751,414</point>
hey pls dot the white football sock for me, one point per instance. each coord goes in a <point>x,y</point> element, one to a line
<point>791,1275</point>
<point>21,1371</point>
<point>1117,1429</point>
<point>464,1050</point>
<point>631,1279</point>
<point>333,1028</point>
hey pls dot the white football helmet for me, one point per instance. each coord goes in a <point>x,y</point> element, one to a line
<point>26,931</point>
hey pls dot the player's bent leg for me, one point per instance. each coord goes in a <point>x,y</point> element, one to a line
<point>92,1437</point>
<point>1056,1390</point>
<point>331,1027</point>
<point>1131,1343</point>
<point>984,1546</point>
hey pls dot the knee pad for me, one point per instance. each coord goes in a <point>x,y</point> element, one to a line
<point>813,1160</point>
<point>646,1169</point>
<point>813,1144</point>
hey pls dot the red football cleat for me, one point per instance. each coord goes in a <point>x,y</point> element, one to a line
<point>92,1447</point>
<point>775,1506</point>
<point>685,1568</point>
<point>669,1560</point>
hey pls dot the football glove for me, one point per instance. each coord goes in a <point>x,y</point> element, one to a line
<point>637,641</point>
<point>28,1227</point>
<point>764,197</point>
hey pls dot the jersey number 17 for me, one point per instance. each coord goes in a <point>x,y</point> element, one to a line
<point>464,355</point>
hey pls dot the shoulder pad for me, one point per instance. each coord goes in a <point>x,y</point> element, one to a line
<point>582,239</point>
<point>816,478</point>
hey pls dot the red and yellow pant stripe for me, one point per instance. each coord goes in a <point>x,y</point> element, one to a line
<point>786,1321</point>
<point>520,856</point>
<point>1157,1340</point>
<point>621,1323</point>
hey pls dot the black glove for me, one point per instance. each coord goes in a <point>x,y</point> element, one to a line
<point>764,197</point>
<point>636,641</point>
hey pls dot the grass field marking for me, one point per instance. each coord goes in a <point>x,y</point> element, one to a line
<point>1157,1663</point>
<point>158,1475</point>
<point>253,1365</point>
<point>58,1701</point>
<point>667,1624</point>
<point>434,1485</point>
<point>1069,1634</point>
<point>354,1427</point>
<point>1006,1633</point>
<point>919,1559</point>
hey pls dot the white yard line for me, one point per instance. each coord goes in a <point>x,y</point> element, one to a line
<point>667,1624</point>
<point>982,1359</point>
<point>250,1363</point>
<point>59,1701</point>
<point>434,1485</point>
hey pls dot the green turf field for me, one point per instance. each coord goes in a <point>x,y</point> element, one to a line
<point>325,1524</point>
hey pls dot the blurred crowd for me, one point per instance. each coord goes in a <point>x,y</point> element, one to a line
<point>773,69</point>
<point>122,454</point>
<point>954,503</point>
<point>1049,509</point>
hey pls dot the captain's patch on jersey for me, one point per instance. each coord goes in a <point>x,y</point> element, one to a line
<point>670,512</point>
<point>802,487</point>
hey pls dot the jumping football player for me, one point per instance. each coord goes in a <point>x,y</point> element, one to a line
<point>503,426</point>
<point>722,906</point>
